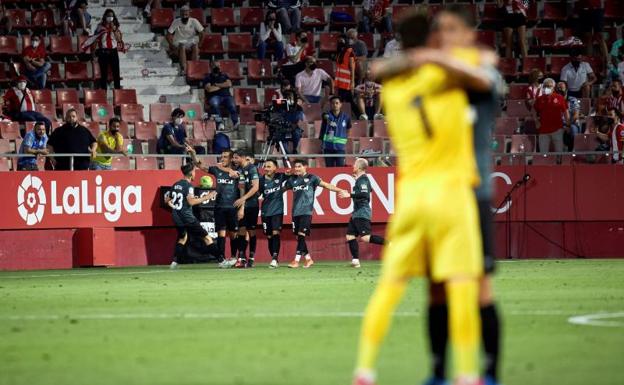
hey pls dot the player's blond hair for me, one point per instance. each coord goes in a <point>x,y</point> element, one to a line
<point>361,164</point>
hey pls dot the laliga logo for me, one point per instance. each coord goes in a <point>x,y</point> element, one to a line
<point>108,200</point>
<point>31,200</point>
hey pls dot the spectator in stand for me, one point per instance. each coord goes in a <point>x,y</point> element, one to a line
<point>109,42</point>
<point>513,15</point>
<point>34,59</point>
<point>361,54</point>
<point>185,34</point>
<point>288,13</point>
<point>6,24</point>
<point>591,24</point>
<point>376,14</point>
<point>297,120</point>
<point>19,105</point>
<point>151,4</point>
<point>72,138</point>
<point>393,47</point>
<point>271,37</point>
<point>574,107</point>
<point>579,76</point>
<point>217,94</point>
<point>76,16</point>
<point>551,107</point>
<point>109,142</point>
<point>616,99</point>
<point>616,56</point>
<point>534,90</point>
<point>334,133</point>
<point>173,138</point>
<point>309,82</point>
<point>345,71</point>
<point>35,143</point>
<point>295,55</point>
<point>368,98</point>
<point>615,137</point>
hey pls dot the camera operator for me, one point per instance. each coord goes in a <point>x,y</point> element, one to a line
<point>287,121</point>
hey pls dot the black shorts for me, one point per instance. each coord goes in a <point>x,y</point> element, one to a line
<point>272,223</point>
<point>511,20</point>
<point>226,219</point>
<point>250,219</point>
<point>194,229</point>
<point>302,224</point>
<point>591,20</point>
<point>485,220</point>
<point>359,227</point>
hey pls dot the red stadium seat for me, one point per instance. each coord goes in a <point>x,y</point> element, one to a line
<point>312,12</point>
<point>614,11</point>
<point>76,72</point>
<point>4,76</point>
<point>146,163</point>
<point>359,128</point>
<point>121,163</point>
<point>269,94</point>
<point>61,46</point>
<point>261,132</point>
<point>251,18</point>
<point>160,112</point>
<point>506,126</point>
<point>101,113</point>
<point>554,13</point>
<point>172,163</point>
<point>5,148</point>
<point>196,70</point>
<point>256,67</point>
<point>204,130</point>
<point>328,42</point>
<point>490,14</point>
<point>585,142</point>
<point>241,93</point>
<point>240,43</point>
<point>124,96</point>
<point>79,107</point>
<point>55,74</point>
<point>500,145</point>
<point>66,95</point>
<point>123,129</point>
<point>369,40</point>
<point>327,65</point>
<point>43,19</point>
<point>335,25</point>
<point>198,13</point>
<point>246,114</point>
<point>557,63</point>
<point>517,108</point>
<point>212,44</point>
<point>231,68</point>
<point>193,111</point>
<point>94,96</point>
<point>398,11</point>
<point>371,144</point>
<point>96,74</point>
<point>596,63</point>
<point>48,110</point>
<point>161,18</point>
<point>10,130</point>
<point>94,127</point>
<point>517,91</point>
<point>145,130</point>
<point>8,46</point>
<point>131,113</point>
<point>544,160</point>
<point>380,128</point>
<point>82,39</point>
<point>508,67</point>
<point>310,146</point>
<point>42,96</point>
<point>545,37</point>
<point>522,144</point>
<point>487,38</point>
<point>18,17</point>
<point>312,111</point>
<point>528,63</point>
<point>223,18</point>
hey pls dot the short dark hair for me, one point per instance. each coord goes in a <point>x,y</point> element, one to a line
<point>243,152</point>
<point>177,112</point>
<point>113,120</point>
<point>301,161</point>
<point>331,98</point>
<point>414,29</point>
<point>462,12</point>
<point>228,151</point>
<point>271,161</point>
<point>187,169</point>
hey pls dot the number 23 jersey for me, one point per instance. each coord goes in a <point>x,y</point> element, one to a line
<point>182,210</point>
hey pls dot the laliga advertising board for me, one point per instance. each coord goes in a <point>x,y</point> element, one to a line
<point>86,199</point>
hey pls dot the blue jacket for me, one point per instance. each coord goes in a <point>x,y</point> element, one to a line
<point>335,130</point>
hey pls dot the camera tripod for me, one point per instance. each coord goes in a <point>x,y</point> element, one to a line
<point>269,148</point>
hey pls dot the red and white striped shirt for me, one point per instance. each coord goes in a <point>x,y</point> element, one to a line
<point>107,40</point>
<point>13,98</point>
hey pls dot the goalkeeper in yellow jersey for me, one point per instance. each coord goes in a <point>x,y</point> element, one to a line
<point>435,231</point>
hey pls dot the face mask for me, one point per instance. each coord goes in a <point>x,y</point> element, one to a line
<point>177,121</point>
<point>540,80</point>
<point>548,91</point>
<point>185,20</point>
<point>35,43</point>
<point>351,41</point>
<point>312,66</point>
<point>303,40</point>
<point>216,70</point>
<point>21,86</point>
<point>110,19</point>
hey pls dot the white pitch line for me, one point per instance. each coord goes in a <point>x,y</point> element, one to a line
<point>598,319</point>
<point>89,274</point>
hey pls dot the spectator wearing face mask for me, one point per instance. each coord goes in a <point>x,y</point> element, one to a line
<point>368,98</point>
<point>616,99</point>
<point>72,138</point>
<point>376,14</point>
<point>574,108</point>
<point>76,16</point>
<point>534,90</point>
<point>185,35</point>
<point>6,24</point>
<point>109,42</point>
<point>34,143</point>
<point>217,94</point>
<point>34,59</point>
<point>334,133</point>
<point>19,105</point>
<point>345,71</point>
<point>551,107</point>
<point>288,13</point>
<point>309,82</point>
<point>173,138</point>
<point>361,54</point>
<point>296,53</point>
<point>393,47</point>
<point>615,137</point>
<point>108,142</point>
<point>579,76</point>
<point>271,37</point>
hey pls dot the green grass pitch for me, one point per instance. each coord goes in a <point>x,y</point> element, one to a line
<point>201,325</point>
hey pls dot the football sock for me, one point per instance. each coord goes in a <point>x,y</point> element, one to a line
<point>377,320</point>
<point>242,246</point>
<point>221,246</point>
<point>354,248</point>
<point>464,326</point>
<point>234,246</point>
<point>377,240</point>
<point>178,252</point>
<point>301,246</point>
<point>276,246</point>
<point>270,245</point>
<point>252,246</point>
<point>490,329</point>
<point>438,338</point>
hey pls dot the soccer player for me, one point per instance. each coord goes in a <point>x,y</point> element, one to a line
<point>304,187</point>
<point>271,188</point>
<point>434,231</point>
<point>360,223</point>
<point>249,185</point>
<point>181,199</point>
<point>226,215</point>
